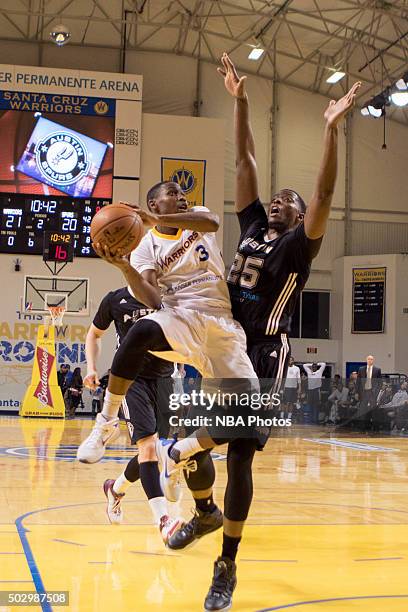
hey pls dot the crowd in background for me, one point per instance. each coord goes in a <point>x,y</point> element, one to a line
<point>366,401</point>
<point>71,386</point>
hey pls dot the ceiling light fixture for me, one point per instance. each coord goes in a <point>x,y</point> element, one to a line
<point>375,112</point>
<point>401,84</point>
<point>335,77</point>
<point>60,35</point>
<point>400,98</point>
<point>256,53</point>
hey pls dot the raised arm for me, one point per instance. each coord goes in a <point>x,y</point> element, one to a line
<point>144,286</point>
<point>308,368</point>
<point>246,184</point>
<point>198,221</point>
<point>322,366</point>
<point>318,210</point>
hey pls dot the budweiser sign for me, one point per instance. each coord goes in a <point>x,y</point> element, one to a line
<point>42,392</point>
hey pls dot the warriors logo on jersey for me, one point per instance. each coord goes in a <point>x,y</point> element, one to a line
<point>189,268</point>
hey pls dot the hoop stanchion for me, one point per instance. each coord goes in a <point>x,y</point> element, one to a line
<point>43,397</point>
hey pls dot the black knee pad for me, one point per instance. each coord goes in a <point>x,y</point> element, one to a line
<point>143,336</point>
<point>204,477</point>
<point>238,494</point>
<point>132,472</point>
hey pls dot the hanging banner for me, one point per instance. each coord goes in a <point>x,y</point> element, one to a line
<point>189,174</point>
<point>43,397</point>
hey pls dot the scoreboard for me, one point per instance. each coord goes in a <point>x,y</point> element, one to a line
<point>25,219</point>
<point>369,294</point>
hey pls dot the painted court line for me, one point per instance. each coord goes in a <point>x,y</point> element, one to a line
<point>381,559</point>
<point>66,542</point>
<point>270,560</point>
<point>32,565</point>
<point>317,601</point>
<point>141,552</point>
<point>352,445</point>
<point>13,581</point>
<point>100,562</point>
<point>321,504</point>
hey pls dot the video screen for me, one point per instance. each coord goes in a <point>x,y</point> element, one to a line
<point>52,154</point>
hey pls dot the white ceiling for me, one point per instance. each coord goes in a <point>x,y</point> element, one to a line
<point>303,38</point>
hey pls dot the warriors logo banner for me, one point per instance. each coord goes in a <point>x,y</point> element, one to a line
<point>189,174</point>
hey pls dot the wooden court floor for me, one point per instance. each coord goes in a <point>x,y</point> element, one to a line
<point>328,529</point>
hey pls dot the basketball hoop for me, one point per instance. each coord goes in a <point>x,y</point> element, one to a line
<point>56,314</point>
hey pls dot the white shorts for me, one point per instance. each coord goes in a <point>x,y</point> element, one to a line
<point>214,345</point>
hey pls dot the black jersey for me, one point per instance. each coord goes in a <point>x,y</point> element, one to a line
<point>267,276</point>
<point>123,309</point>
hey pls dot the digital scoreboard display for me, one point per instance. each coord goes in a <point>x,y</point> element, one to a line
<point>368,300</point>
<point>58,247</point>
<point>23,221</point>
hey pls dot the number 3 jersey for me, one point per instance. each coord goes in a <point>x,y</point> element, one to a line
<point>189,267</point>
<point>267,276</point>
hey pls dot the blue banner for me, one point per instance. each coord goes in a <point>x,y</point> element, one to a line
<point>56,103</point>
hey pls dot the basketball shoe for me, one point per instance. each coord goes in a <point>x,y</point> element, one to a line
<point>201,524</point>
<point>92,448</point>
<point>169,526</point>
<point>170,474</point>
<point>114,505</point>
<point>224,581</point>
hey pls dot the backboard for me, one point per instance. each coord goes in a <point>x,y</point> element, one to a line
<point>43,291</point>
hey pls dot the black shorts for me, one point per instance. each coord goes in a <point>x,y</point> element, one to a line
<point>146,407</point>
<point>270,358</point>
<point>290,395</point>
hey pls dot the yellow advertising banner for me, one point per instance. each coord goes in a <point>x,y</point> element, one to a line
<point>43,397</point>
<point>189,174</point>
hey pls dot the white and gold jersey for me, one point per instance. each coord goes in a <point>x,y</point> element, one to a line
<point>189,267</point>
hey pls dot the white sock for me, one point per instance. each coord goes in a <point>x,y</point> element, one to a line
<point>158,506</point>
<point>121,484</point>
<point>187,448</point>
<point>111,405</point>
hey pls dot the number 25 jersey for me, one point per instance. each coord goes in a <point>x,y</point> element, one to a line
<point>267,276</point>
<point>189,267</point>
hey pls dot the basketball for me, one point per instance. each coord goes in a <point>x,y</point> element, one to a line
<point>117,226</point>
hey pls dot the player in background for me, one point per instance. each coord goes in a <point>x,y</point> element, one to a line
<point>270,269</point>
<point>292,388</point>
<point>145,409</point>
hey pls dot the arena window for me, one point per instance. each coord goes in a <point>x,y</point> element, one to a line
<point>312,316</point>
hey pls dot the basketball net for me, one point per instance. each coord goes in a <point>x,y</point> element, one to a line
<point>55,317</point>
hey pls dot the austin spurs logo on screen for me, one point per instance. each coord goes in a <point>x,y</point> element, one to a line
<point>62,158</point>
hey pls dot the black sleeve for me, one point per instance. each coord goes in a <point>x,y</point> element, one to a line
<point>305,247</point>
<point>103,317</point>
<point>253,217</point>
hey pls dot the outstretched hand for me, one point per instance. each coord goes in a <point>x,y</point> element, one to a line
<point>337,110</point>
<point>234,84</point>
